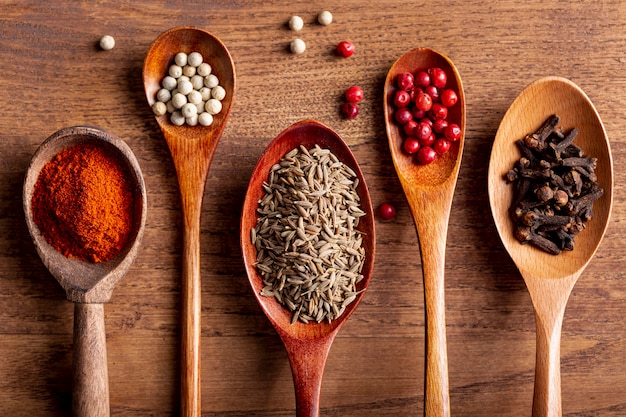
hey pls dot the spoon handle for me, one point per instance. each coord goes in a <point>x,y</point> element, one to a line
<point>431,212</point>
<point>191,330</point>
<point>90,396</point>
<point>547,392</point>
<point>191,195</point>
<point>308,359</point>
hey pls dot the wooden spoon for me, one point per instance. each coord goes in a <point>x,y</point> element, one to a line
<point>429,191</point>
<point>307,344</point>
<point>88,285</point>
<point>550,278</point>
<point>192,149</point>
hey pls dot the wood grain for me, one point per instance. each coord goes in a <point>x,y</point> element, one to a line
<point>54,76</point>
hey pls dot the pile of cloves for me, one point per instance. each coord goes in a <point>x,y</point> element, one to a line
<point>556,187</point>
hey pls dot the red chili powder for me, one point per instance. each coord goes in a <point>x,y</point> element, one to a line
<point>83,203</point>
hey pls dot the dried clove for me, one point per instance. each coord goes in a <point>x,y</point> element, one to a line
<point>555,188</point>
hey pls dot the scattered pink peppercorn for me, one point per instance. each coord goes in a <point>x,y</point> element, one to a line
<point>354,94</point>
<point>350,110</point>
<point>345,49</point>
<point>386,211</point>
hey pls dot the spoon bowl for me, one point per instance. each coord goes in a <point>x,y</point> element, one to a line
<point>550,278</point>
<point>429,190</point>
<point>87,284</point>
<point>307,344</point>
<point>192,149</point>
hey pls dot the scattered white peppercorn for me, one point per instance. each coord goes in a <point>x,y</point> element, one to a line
<point>297,46</point>
<point>107,42</point>
<point>325,18</point>
<point>296,23</point>
<point>191,94</point>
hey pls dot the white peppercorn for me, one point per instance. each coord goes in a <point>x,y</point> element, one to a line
<point>190,93</point>
<point>179,100</point>
<point>170,107</point>
<point>180,59</point>
<point>205,119</point>
<point>107,42</point>
<point>175,71</point>
<point>185,87</point>
<point>189,110</point>
<point>189,71</point>
<point>194,59</point>
<point>325,18</point>
<point>169,83</point>
<point>297,46</point>
<point>197,81</point>
<point>218,92</point>
<point>213,106</point>
<point>194,97</point>
<point>192,120</point>
<point>211,81</point>
<point>296,23</point>
<point>164,95</point>
<point>177,118</point>
<point>159,108</point>
<point>206,93</point>
<point>204,69</point>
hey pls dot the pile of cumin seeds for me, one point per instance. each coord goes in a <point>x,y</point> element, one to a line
<point>309,251</point>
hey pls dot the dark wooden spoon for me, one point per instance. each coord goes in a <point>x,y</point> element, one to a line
<point>307,344</point>
<point>192,149</point>
<point>88,285</point>
<point>429,191</point>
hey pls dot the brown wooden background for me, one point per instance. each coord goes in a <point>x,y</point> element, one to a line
<point>53,76</point>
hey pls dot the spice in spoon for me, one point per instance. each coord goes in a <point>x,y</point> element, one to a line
<point>555,188</point>
<point>83,203</point>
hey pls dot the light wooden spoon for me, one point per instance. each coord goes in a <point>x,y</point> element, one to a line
<point>307,344</point>
<point>88,285</point>
<point>550,278</point>
<point>192,149</point>
<point>429,191</point>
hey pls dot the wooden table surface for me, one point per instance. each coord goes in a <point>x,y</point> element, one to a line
<point>54,75</point>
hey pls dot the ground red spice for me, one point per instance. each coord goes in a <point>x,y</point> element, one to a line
<point>83,203</point>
